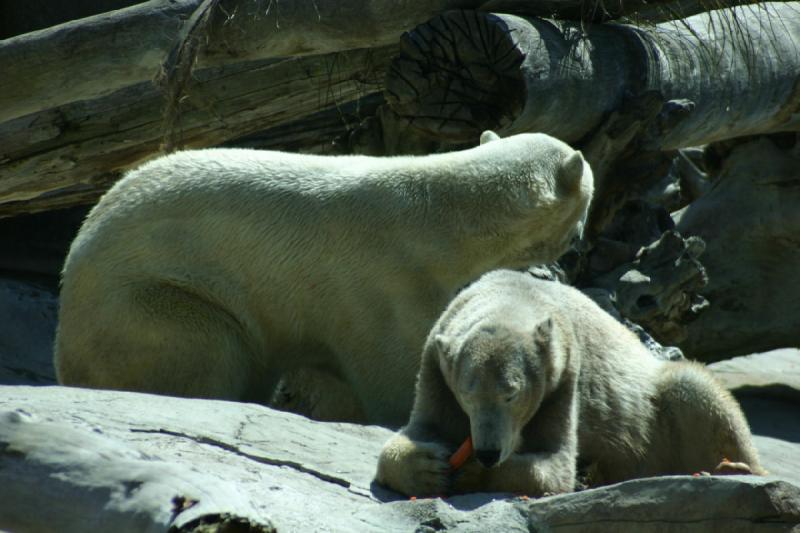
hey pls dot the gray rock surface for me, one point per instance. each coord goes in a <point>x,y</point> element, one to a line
<point>28,314</point>
<point>777,371</point>
<point>101,460</point>
<point>767,386</point>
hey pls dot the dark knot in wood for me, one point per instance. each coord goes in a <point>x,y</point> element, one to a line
<point>457,75</point>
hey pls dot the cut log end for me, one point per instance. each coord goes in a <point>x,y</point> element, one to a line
<point>458,75</point>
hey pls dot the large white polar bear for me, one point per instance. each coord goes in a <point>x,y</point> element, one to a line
<point>538,376</point>
<point>211,273</point>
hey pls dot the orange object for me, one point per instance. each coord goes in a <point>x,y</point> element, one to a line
<point>463,453</point>
<point>413,498</point>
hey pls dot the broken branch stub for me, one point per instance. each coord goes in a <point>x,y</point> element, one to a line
<point>726,73</point>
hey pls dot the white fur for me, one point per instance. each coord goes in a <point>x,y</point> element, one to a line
<point>210,273</point>
<point>538,372</point>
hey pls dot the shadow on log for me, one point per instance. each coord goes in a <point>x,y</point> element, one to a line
<point>724,74</point>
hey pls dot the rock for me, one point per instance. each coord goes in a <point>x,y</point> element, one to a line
<point>750,223</point>
<point>133,462</point>
<point>767,386</point>
<point>676,503</point>
<point>774,373</point>
<point>104,460</point>
<point>28,312</point>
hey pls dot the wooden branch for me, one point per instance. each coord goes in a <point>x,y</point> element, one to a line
<point>72,153</point>
<point>724,74</point>
<point>93,57</point>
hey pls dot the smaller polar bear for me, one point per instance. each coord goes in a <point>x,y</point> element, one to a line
<point>214,273</point>
<point>540,377</point>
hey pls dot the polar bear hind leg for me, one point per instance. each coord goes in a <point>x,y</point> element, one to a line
<point>699,424</point>
<point>318,394</point>
<point>154,337</point>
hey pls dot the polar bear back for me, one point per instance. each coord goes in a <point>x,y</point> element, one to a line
<point>260,262</point>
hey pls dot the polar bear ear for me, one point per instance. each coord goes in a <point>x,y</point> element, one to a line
<point>571,172</point>
<point>489,136</point>
<point>442,344</point>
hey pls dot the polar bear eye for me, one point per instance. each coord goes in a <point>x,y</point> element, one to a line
<point>511,397</point>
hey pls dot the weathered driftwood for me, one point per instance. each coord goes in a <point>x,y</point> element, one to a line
<point>660,288</point>
<point>76,460</point>
<point>750,222</point>
<point>644,11</point>
<point>93,57</point>
<point>72,153</point>
<point>723,74</point>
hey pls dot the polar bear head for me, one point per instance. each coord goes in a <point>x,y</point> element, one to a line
<point>499,374</point>
<point>552,187</point>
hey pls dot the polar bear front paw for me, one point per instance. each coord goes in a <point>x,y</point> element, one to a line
<point>414,468</point>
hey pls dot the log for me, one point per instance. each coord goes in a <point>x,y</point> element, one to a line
<point>750,223</point>
<point>723,74</point>
<point>93,57</point>
<point>71,154</point>
<point>640,11</point>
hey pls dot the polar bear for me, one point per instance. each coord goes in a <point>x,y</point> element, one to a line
<point>539,376</point>
<point>211,273</point>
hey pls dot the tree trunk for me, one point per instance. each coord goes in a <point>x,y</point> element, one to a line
<point>724,74</point>
<point>71,154</point>
<point>93,57</point>
<point>641,11</point>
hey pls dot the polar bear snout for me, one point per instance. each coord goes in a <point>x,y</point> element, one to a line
<point>488,458</point>
<point>493,436</point>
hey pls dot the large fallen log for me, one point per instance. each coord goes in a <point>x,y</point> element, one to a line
<point>92,57</point>
<point>71,154</point>
<point>641,11</point>
<point>723,74</point>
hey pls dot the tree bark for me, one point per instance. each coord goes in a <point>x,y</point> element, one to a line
<point>77,460</point>
<point>641,11</point>
<point>724,74</point>
<point>71,154</point>
<point>93,57</point>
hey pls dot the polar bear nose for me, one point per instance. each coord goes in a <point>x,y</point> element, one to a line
<point>488,458</point>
